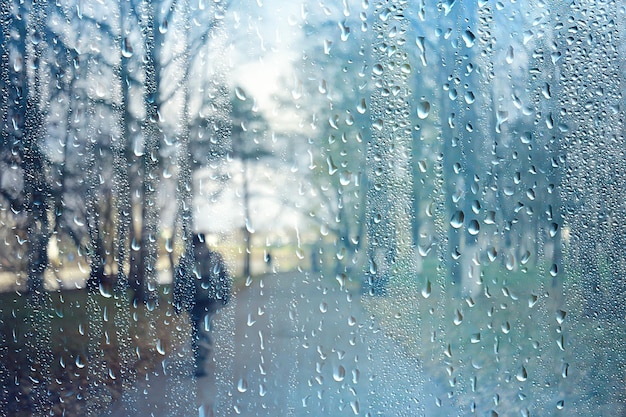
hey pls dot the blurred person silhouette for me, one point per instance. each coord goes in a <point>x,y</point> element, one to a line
<point>209,291</point>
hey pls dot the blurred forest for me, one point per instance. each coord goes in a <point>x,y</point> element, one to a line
<point>461,133</point>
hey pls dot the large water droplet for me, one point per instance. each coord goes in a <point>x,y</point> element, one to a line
<point>457,219</point>
<point>339,373</point>
<point>473,228</point>
<point>242,385</point>
<point>469,38</point>
<point>458,317</point>
<point>362,106</point>
<point>127,48</point>
<point>522,375</point>
<point>160,347</point>
<point>423,109</point>
<point>510,55</point>
<point>240,94</point>
<point>447,6</point>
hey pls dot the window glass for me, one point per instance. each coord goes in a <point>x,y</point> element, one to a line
<point>374,207</point>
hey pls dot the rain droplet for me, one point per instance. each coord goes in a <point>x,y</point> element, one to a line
<point>492,253</point>
<point>560,316</point>
<point>423,109</point>
<point>561,342</point>
<point>473,228</point>
<point>104,291</point>
<point>522,375</point>
<point>242,385</point>
<point>501,117</point>
<point>469,38</point>
<point>160,347</point>
<point>546,91</point>
<point>457,219</point>
<point>554,270</point>
<point>249,227</point>
<point>506,327</point>
<point>127,48</point>
<point>163,26</point>
<point>510,55</point>
<point>339,373</point>
<point>240,94</point>
<point>426,291</point>
<point>362,106</point>
<point>458,317</point>
<point>475,338</point>
<point>447,6</point>
<point>80,363</point>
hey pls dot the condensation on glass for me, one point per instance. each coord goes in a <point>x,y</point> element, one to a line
<point>312,208</point>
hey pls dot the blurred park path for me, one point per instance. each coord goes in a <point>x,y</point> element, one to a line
<point>294,344</point>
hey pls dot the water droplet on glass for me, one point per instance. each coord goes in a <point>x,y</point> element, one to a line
<point>104,291</point>
<point>510,55</point>
<point>362,106</point>
<point>163,26</point>
<point>242,385</point>
<point>458,317</point>
<point>457,219</point>
<point>249,227</point>
<point>127,48</point>
<point>423,109</point>
<point>561,342</point>
<point>560,316</point>
<point>426,291</point>
<point>522,375</point>
<point>448,5</point>
<point>160,347</point>
<point>554,270</point>
<point>473,228</point>
<point>506,327</point>
<point>80,362</point>
<point>469,38</point>
<point>240,94</point>
<point>546,91</point>
<point>339,373</point>
<point>469,97</point>
<point>475,338</point>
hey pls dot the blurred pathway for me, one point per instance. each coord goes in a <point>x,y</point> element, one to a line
<point>293,344</point>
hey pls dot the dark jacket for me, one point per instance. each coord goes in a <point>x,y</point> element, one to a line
<point>210,285</point>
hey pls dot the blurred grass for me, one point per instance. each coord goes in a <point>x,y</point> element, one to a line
<point>513,345</point>
<point>89,357</point>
